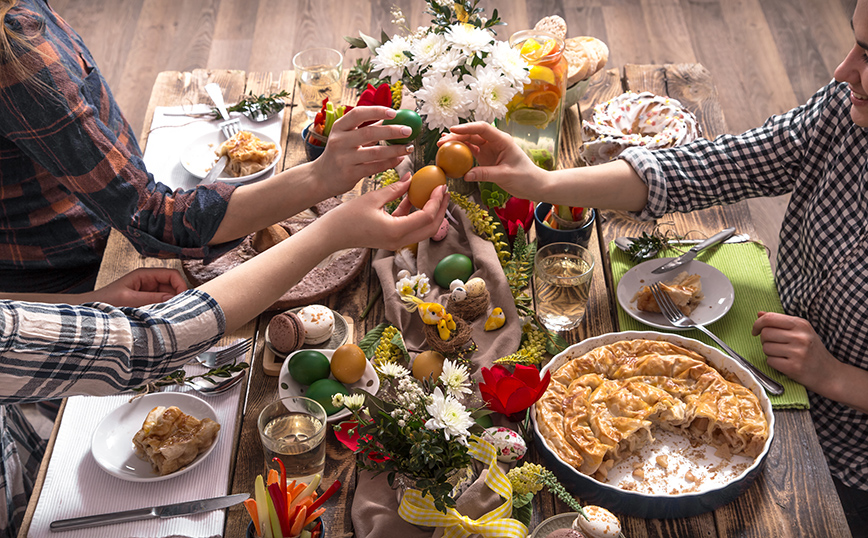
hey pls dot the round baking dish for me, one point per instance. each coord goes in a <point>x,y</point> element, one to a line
<point>648,505</point>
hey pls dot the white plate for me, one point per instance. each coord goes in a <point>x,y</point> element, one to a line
<point>200,156</point>
<point>112,442</point>
<point>716,288</point>
<point>287,386</point>
<point>338,338</point>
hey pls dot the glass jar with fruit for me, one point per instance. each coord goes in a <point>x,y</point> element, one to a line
<point>534,115</point>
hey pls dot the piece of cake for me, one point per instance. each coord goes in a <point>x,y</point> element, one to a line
<point>170,439</point>
<point>319,323</point>
<point>286,332</point>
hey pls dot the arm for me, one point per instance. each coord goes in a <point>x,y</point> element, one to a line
<point>142,286</point>
<point>794,349</point>
<point>612,185</point>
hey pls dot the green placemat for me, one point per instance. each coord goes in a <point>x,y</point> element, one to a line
<point>747,267</point>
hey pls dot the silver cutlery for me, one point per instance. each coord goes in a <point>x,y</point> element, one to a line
<point>690,254</point>
<point>677,318</point>
<point>230,127</point>
<point>155,512</point>
<point>213,359</point>
<point>624,243</point>
<point>206,388</point>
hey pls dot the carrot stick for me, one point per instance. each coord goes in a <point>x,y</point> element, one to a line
<point>250,504</point>
<point>273,477</point>
<point>313,515</point>
<point>296,491</point>
<point>298,522</point>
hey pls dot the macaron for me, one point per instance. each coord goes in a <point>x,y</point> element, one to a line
<point>319,323</point>
<point>286,332</point>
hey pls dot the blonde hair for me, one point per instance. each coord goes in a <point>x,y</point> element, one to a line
<point>12,44</point>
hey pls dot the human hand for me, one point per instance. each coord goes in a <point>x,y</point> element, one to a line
<point>351,152</point>
<point>794,349</point>
<point>500,159</point>
<point>362,222</point>
<point>140,287</point>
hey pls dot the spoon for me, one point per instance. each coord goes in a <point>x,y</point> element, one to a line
<point>256,114</point>
<point>205,388</point>
<point>624,243</point>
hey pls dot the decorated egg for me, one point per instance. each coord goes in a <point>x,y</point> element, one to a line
<point>323,390</point>
<point>423,183</point>
<point>442,231</point>
<point>457,283</point>
<point>458,294</point>
<point>510,446</point>
<point>348,363</point>
<point>410,119</point>
<point>451,267</point>
<point>475,287</point>
<point>600,523</point>
<point>455,158</point>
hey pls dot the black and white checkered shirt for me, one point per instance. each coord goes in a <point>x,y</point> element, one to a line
<point>54,351</point>
<point>820,156</point>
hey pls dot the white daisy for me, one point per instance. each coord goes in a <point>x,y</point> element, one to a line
<point>354,402</point>
<point>444,101</point>
<point>471,40</point>
<point>449,415</point>
<point>456,378</point>
<point>390,59</point>
<point>446,62</point>
<point>426,51</point>
<point>423,285</point>
<point>510,63</point>
<point>338,400</point>
<point>490,92</point>
<point>392,370</point>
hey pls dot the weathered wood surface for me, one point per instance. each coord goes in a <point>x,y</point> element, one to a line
<point>794,495</point>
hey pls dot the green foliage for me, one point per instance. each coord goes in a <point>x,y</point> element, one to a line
<point>492,195</point>
<point>180,377</point>
<point>360,74</point>
<point>252,103</point>
<point>643,245</point>
<point>384,343</point>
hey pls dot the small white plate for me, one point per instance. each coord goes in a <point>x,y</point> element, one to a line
<point>112,442</point>
<point>200,156</point>
<point>287,386</point>
<point>717,289</point>
<point>338,338</point>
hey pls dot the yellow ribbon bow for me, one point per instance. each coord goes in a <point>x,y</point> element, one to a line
<point>420,510</point>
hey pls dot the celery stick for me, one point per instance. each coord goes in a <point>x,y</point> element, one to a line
<point>262,507</point>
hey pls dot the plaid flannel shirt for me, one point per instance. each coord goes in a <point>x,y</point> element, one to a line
<point>819,155</point>
<point>71,169</point>
<point>55,351</point>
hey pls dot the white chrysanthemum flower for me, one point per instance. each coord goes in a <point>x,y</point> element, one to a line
<point>353,402</point>
<point>471,40</point>
<point>390,59</point>
<point>490,92</point>
<point>446,62</point>
<point>406,286</point>
<point>423,285</point>
<point>444,101</point>
<point>426,51</point>
<point>392,370</point>
<point>449,415</point>
<point>510,63</point>
<point>456,378</point>
<point>338,400</point>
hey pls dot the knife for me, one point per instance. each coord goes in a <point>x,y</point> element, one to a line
<point>218,167</point>
<point>155,512</point>
<point>690,254</point>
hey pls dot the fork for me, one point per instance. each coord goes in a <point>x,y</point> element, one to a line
<point>229,127</point>
<point>679,319</point>
<point>213,359</point>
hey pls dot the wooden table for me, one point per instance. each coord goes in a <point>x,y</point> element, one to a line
<point>793,496</point>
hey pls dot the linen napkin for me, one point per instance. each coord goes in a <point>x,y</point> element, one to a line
<point>173,132</point>
<point>747,267</point>
<point>75,485</point>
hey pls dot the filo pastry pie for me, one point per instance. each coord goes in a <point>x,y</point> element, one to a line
<point>603,406</point>
<point>170,439</point>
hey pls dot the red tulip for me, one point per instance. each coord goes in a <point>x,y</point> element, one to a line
<point>349,436</point>
<point>512,393</point>
<point>516,212</point>
<point>379,96</point>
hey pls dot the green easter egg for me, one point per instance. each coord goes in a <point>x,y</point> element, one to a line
<point>451,267</point>
<point>323,390</point>
<point>409,118</point>
<point>308,366</point>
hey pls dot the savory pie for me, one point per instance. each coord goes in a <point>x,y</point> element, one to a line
<point>247,154</point>
<point>603,406</point>
<point>685,290</point>
<point>170,439</point>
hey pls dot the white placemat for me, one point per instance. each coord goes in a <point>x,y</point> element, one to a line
<point>172,132</point>
<point>76,486</point>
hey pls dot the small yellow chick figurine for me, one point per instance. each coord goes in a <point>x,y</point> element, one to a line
<point>431,313</point>
<point>445,327</point>
<point>495,320</point>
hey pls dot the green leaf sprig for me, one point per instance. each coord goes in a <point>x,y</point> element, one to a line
<point>250,104</point>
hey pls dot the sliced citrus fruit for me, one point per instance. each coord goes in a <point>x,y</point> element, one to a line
<point>538,72</point>
<point>528,116</point>
<point>544,99</point>
<point>530,48</point>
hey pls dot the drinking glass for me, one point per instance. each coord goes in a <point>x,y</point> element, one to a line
<point>294,429</point>
<point>318,72</point>
<point>561,284</point>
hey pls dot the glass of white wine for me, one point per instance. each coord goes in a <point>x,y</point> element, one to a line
<point>562,284</point>
<point>318,72</point>
<point>293,429</point>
